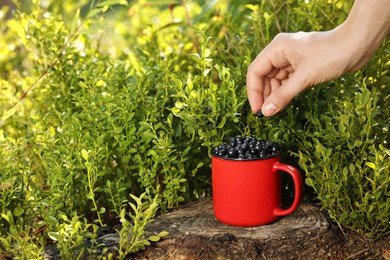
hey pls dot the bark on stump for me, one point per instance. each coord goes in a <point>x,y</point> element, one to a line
<point>196,234</point>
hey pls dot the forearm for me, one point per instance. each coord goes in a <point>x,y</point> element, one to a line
<point>367,25</point>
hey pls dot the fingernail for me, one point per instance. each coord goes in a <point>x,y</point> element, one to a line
<point>269,109</point>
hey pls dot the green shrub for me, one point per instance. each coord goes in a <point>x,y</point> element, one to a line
<point>346,156</point>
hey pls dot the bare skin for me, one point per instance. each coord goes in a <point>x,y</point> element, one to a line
<point>292,62</point>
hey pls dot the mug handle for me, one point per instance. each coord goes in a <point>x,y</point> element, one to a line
<point>296,176</point>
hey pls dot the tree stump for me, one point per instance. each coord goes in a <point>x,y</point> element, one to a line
<point>196,234</point>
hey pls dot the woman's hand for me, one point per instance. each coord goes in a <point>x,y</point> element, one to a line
<point>293,62</point>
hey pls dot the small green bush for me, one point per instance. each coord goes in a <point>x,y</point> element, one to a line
<point>346,156</point>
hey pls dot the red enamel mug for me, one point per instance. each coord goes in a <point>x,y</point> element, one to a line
<point>248,192</point>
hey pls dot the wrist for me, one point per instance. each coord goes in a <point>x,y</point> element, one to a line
<point>364,30</point>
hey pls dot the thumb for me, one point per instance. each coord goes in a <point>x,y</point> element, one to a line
<point>282,96</point>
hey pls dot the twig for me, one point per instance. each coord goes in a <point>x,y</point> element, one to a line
<point>357,253</point>
<point>276,16</point>
<point>261,30</point>
<point>287,15</point>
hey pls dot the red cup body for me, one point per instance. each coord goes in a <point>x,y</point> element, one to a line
<point>248,192</point>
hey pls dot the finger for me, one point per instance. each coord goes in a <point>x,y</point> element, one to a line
<point>258,86</point>
<point>272,57</point>
<point>275,84</point>
<point>282,96</point>
<point>283,74</point>
<point>289,68</point>
<point>255,88</point>
<point>267,88</point>
<point>266,65</point>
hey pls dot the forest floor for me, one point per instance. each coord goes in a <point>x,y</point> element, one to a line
<point>194,233</point>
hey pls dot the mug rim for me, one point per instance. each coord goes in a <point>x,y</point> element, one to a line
<point>244,159</point>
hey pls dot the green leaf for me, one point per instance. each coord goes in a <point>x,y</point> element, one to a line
<point>93,12</point>
<point>105,8</point>
<point>132,150</point>
<point>344,216</point>
<point>163,234</point>
<point>53,236</point>
<point>148,135</point>
<point>175,110</point>
<point>5,243</point>
<point>126,159</point>
<point>136,199</point>
<point>100,83</point>
<point>64,217</point>
<point>18,211</point>
<point>207,52</point>
<point>146,242</point>
<point>320,149</point>
<point>154,238</point>
<point>180,105</point>
<point>344,119</point>
<point>133,207</point>
<point>309,182</point>
<point>110,3</point>
<point>371,165</point>
<point>75,22</point>
<point>352,168</point>
<point>162,2</point>
<point>88,165</point>
<point>2,138</point>
<point>222,123</point>
<point>84,154</point>
<point>345,171</point>
<point>152,153</point>
<point>76,122</point>
<point>145,124</point>
<point>4,216</point>
<point>199,165</point>
<point>9,113</point>
<point>118,130</point>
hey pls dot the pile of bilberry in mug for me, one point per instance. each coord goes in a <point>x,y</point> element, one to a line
<point>247,147</point>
